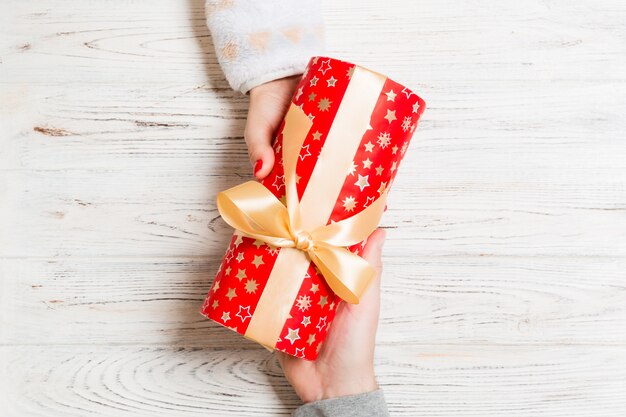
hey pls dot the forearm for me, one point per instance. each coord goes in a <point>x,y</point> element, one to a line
<point>257,41</point>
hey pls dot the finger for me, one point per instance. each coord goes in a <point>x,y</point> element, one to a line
<point>259,138</point>
<point>372,252</point>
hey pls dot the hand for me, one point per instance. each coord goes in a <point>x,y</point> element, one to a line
<point>345,365</point>
<point>268,104</point>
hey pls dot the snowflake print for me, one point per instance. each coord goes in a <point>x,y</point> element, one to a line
<point>303,302</point>
<point>406,123</point>
<point>383,139</point>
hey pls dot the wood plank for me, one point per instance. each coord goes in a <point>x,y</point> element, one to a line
<point>504,286</point>
<point>448,300</point>
<point>161,213</point>
<point>427,380</point>
<point>535,128</point>
<point>139,42</point>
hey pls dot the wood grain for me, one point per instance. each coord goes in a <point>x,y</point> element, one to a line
<point>504,289</point>
<point>427,380</point>
<point>522,301</point>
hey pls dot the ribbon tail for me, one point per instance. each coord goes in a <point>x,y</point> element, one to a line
<point>347,274</point>
<point>354,229</point>
<point>255,211</point>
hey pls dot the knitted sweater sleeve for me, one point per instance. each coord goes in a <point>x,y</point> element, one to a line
<point>369,404</point>
<point>257,41</point>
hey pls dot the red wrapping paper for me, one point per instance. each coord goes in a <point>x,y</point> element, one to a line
<point>247,264</point>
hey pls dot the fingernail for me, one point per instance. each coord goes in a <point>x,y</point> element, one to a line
<point>257,166</point>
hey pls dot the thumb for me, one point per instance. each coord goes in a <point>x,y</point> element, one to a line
<point>259,136</point>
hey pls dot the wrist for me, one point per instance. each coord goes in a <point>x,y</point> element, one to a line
<point>286,83</point>
<point>340,387</point>
<point>356,386</point>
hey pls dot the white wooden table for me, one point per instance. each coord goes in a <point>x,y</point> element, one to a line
<point>504,292</point>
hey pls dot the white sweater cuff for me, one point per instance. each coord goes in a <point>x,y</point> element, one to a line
<point>257,41</point>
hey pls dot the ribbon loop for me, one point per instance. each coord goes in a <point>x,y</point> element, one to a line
<point>256,212</point>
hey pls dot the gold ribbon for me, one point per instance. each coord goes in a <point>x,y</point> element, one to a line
<point>254,211</point>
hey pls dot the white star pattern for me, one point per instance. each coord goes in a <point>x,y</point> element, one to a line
<point>299,353</point>
<point>331,81</point>
<point>293,335</point>
<point>314,81</point>
<point>416,107</point>
<point>306,152</point>
<point>299,93</point>
<point>391,96</point>
<point>362,182</point>
<point>368,201</point>
<point>306,320</point>
<point>406,92</point>
<point>391,115</point>
<point>328,67</point>
<point>382,187</point>
<point>245,316</point>
<point>369,146</point>
<point>322,323</point>
<point>353,168</point>
<point>272,250</point>
<point>367,163</point>
<point>279,182</point>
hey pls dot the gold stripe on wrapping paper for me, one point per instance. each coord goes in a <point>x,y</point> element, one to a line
<point>278,297</point>
<point>300,228</point>
<point>342,142</point>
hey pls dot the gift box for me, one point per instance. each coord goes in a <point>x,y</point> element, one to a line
<point>294,257</point>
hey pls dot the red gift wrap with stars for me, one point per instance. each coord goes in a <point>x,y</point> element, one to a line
<point>353,127</point>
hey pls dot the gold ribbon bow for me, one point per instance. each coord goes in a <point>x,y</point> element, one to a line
<point>253,210</point>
